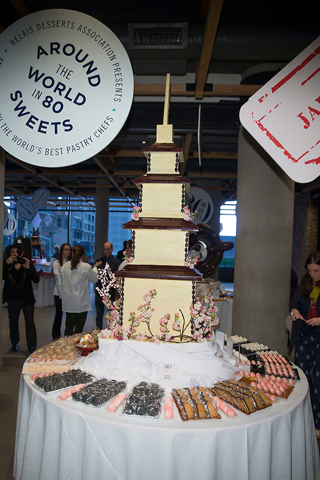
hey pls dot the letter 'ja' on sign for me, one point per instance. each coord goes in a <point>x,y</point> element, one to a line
<point>284,116</point>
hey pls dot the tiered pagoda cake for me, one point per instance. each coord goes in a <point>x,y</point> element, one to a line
<point>160,239</point>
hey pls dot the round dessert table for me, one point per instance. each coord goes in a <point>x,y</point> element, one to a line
<point>64,440</point>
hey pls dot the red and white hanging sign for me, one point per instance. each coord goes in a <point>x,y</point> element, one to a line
<point>284,116</point>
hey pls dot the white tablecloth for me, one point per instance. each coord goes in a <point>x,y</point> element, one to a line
<point>43,291</point>
<point>195,363</point>
<point>67,441</point>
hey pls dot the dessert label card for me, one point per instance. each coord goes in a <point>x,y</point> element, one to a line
<point>167,374</point>
<point>284,116</point>
<point>220,339</point>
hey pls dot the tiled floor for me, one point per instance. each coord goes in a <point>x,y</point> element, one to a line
<point>10,376</point>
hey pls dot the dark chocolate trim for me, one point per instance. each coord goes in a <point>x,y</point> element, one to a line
<point>121,301</point>
<point>166,272</point>
<point>162,147</point>
<point>161,178</point>
<point>161,224</point>
<point>177,165</point>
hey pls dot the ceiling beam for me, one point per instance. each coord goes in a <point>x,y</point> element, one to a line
<point>61,173</point>
<point>210,33</point>
<point>38,173</point>
<point>183,90</point>
<point>138,173</point>
<point>222,188</point>
<point>12,185</point>
<point>111,178</point>
<point>191,174</point>
<point>192,153</point>
<point>20,7</point>
<point>15,190</point>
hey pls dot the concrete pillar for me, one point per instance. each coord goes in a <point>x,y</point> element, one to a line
<point>102,223</point>
<point>2,175</point>
<point>264,246</point>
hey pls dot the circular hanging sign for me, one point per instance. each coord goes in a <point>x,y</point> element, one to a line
<point>201,202</point>
<point>66,87</point>
<point>10,226</point>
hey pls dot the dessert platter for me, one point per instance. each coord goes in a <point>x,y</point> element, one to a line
<point>237,381</point>
<point>107,424</point>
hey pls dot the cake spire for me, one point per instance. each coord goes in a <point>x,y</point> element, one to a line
<point>166,101</point>
<point>165,131</point>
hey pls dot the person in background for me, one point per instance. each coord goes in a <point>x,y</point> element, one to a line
<point>114,265</point>
<point>305,336</point>
<point>75,279</point>
<point>128,255</point>
<point>18,275</point>
<point>65,255</point>
<point>120,254</point>
<point>56,251</point>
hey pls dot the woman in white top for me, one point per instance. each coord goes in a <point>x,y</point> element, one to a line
<point>76,277</point>
<point>64,256</point>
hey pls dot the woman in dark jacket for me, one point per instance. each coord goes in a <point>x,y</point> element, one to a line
<point>305,337</point>
<point>18,275</point>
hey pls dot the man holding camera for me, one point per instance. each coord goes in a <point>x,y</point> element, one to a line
<point>18,275</point>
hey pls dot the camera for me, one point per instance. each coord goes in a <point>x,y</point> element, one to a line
<point>20,258</point>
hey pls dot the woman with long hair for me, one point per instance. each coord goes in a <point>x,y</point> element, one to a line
<point>64,256</point>
<point>305,337</point>
<point>76,276</point>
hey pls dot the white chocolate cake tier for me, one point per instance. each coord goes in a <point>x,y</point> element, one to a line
<point>175,287</point>
<point>163,158</point>
<point>159,247</point>
<point>161,200</point>
<point>172,296</point>
<point>155,242</point>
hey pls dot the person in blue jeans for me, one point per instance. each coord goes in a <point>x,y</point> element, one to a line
<point>18,275</point>
<point>114,265</point>
<point>305,336</point>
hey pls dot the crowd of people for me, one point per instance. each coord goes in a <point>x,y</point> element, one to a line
<point>73,275</point>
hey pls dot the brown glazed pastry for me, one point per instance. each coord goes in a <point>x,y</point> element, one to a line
<point>189,410</point>
<point>201,410</point>
<point>192,405</point>
<point>213,411</point>
<point>245,398</point>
